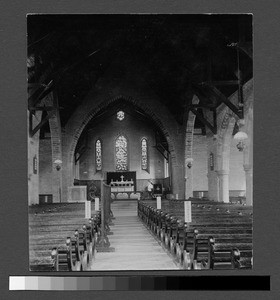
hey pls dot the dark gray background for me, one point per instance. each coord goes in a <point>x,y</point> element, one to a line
<point>13,140</point>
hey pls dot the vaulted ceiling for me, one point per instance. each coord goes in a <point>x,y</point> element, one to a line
<point>177,56</point>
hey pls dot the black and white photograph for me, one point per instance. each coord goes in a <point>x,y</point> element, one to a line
<point>140,142</point>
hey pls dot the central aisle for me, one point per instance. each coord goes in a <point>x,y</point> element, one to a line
<point>135,247</point>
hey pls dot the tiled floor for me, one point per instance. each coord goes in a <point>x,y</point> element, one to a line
<point>135,247</point>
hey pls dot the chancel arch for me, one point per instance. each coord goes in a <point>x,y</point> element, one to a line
<point>127,146</point>
<point>153,110</point>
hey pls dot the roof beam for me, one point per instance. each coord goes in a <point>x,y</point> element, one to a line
<point>247,49</point>
<point>221,82</point>
<point>40,93</point>
<point>41,108</point>
<point>204,121</point>
<point>205,101</point>
<point>227,102</point>
<point>39,126</point>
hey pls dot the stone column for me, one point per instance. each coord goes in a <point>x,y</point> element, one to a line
<point>213,180</point>
<point>67,174</point>
<point>213,186</point>
<point>55,128</point>
<point>177,180</point>
<point>249,184</point>
<point>188,182</point>
<point>57,184</point>
<point>223,185</point>
<point>188,149</point>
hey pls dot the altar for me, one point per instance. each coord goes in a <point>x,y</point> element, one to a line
<point>122,182</point>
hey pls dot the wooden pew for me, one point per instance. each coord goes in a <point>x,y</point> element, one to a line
<point>216,250</point>
<point>173,206</point>
<point>49,229</point>
<point>194,250</point>
<point>67,258</point>
<point>218,258</point>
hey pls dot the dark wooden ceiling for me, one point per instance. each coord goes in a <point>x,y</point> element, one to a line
<point>172,54</point>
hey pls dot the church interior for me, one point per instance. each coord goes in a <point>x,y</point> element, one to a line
<point>140,142</point>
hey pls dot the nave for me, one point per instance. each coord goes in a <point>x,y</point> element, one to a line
<point>138,236</point>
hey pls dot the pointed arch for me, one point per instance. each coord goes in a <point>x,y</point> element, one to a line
<point>142,98</point>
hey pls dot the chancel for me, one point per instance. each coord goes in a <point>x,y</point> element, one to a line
<point>140,142</point>
<point>122,185</point>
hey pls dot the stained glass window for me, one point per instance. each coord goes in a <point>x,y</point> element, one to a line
<point>144,154</point>
<point>98,155</point>
<point>120,115</point>
<point>121,154</point>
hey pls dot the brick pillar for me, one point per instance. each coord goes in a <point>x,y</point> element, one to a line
<point>188,182</point>
<point>213,180</point>
<point>249,184</point>
<point>188,157</point>
<point>177,167</point>
<point>67,173</point>
<point>33,158</point>
<point>177,181</point>
<point>55,129</point>
<point>213,186</point>
<point>223,185</point>
<point>188,151</point>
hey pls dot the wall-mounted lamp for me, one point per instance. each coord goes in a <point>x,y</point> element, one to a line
<point>189,162</point>
<point>241,136</point>
<point>58,164</point>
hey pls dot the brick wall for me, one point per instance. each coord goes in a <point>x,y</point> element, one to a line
<point>134,130</point>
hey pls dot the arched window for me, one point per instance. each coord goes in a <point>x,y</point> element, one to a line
<point>121,154</point>
<point>144,155</point>
<point>98,155</point>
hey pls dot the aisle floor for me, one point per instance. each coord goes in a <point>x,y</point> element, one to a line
<point>135,247</point>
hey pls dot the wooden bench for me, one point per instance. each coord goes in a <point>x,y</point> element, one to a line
<point>216,251</point>
<point>49,230</point>
<point>190,243</point>
<point>68,258</point>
